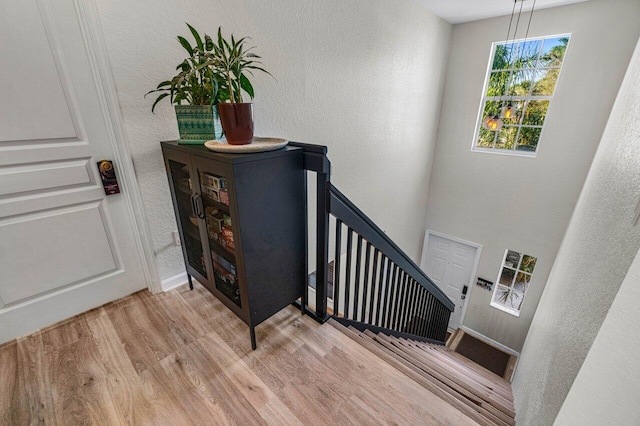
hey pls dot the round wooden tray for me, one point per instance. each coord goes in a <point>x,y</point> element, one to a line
<point>258,145</point>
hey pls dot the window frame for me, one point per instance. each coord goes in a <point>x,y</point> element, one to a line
<point>516,270</point>
<point>484,98</point>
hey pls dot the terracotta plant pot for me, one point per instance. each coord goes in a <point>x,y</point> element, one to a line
<point>237,122</point>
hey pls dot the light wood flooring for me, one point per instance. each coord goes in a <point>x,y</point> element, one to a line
<point>181,358</point>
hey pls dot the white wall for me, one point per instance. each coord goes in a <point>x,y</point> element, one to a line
<point>606,389</point>
<point>363,77</point>
<point>596,252</point>
<point>520,203</point>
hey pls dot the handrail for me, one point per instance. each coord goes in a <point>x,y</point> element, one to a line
<point>341,207</point>
<point>406,300</point>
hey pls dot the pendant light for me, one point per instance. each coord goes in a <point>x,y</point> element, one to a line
<point>509,111</point>
<point>492,124</point>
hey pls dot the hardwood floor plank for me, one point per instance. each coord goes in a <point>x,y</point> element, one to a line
<point>67,333</point>
<point>124,384</point>
<point>67,382</point>
<point>275,412</point>
<point>11,404</point>
<point>209,386</point>
<point>34,380</point>
<point>246,381</point>
<point>175,401</point>
<point>146,341</point>
<point>182,358</point>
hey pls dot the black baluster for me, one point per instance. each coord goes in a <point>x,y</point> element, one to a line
<point>410,321</point>
<point>423,311</point>
<point>436,318</point>
<point>445,322</point>
<point>401,307</point>
<point>396,295</point>
<point>336,269</point>
<point>419,306</point>
<point>389,300</point>
<point>356,296</point>
<point>347,284</point>
<point>437,322</point>
<point>433,317</point>
<point>365,283</point>
<point>428,316</point>
<point>383,288</point>
<point>374,284</point>
<point>393,299</point>
<point>408,308</point>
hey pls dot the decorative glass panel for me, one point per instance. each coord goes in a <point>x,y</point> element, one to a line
<point>486,138</point>
<point>504,56</point>
<point>522,281</point>
<point>498,83</point>
<point>544,82</point>
<point>529,137</point>
<point>528,263</point>
<point>553,50</point>
<point>506,277</point>
<point>528,54</point>
<point>507,137</point>
<point>535,113</point>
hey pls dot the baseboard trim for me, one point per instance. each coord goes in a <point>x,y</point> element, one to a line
<point>174,281</point>
<point>490,341</point>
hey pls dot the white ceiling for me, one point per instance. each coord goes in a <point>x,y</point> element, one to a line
<point>458,11</point>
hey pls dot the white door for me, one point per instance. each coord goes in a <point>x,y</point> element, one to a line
<point>65,247</point>
<point>451,264</point>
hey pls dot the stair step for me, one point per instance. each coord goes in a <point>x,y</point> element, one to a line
<point>480,394</point>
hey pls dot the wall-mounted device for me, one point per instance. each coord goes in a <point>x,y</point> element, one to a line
<point>464,292</point>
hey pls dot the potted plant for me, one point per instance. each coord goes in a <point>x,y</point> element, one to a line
<point>197,87</point>
<point>231,61</point>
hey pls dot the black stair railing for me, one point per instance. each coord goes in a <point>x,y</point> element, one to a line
<point>375,284</point>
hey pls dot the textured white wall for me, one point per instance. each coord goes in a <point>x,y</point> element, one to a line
<point>520,203</point>
<point>596,252</point>
<point>606,389</point>
<point>363,77</point>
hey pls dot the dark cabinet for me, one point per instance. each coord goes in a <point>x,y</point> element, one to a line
<point>241,219</point>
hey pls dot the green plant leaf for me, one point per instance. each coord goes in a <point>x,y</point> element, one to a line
<point>196,36</point>
<point>220,39</point>
<point>184,66</point>
<point>183,41</point>
<point>161,97</point>
<point>246,85</point>
<point>208,43</point>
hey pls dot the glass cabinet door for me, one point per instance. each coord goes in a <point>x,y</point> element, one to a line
<point>188,220</point>
<point>214,192</point>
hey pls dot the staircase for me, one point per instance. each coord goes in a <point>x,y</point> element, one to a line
<point>477,392</point>
<point>381,299</point>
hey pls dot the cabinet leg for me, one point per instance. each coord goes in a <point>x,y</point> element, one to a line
<point>252,330</point>
<point>190,282</point>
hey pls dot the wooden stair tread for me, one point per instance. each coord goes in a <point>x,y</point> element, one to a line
<point>495,383</point>
<point>460,361</point>
<point>472,389</point>
<point>480,394</point>
<point>458,388</point>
